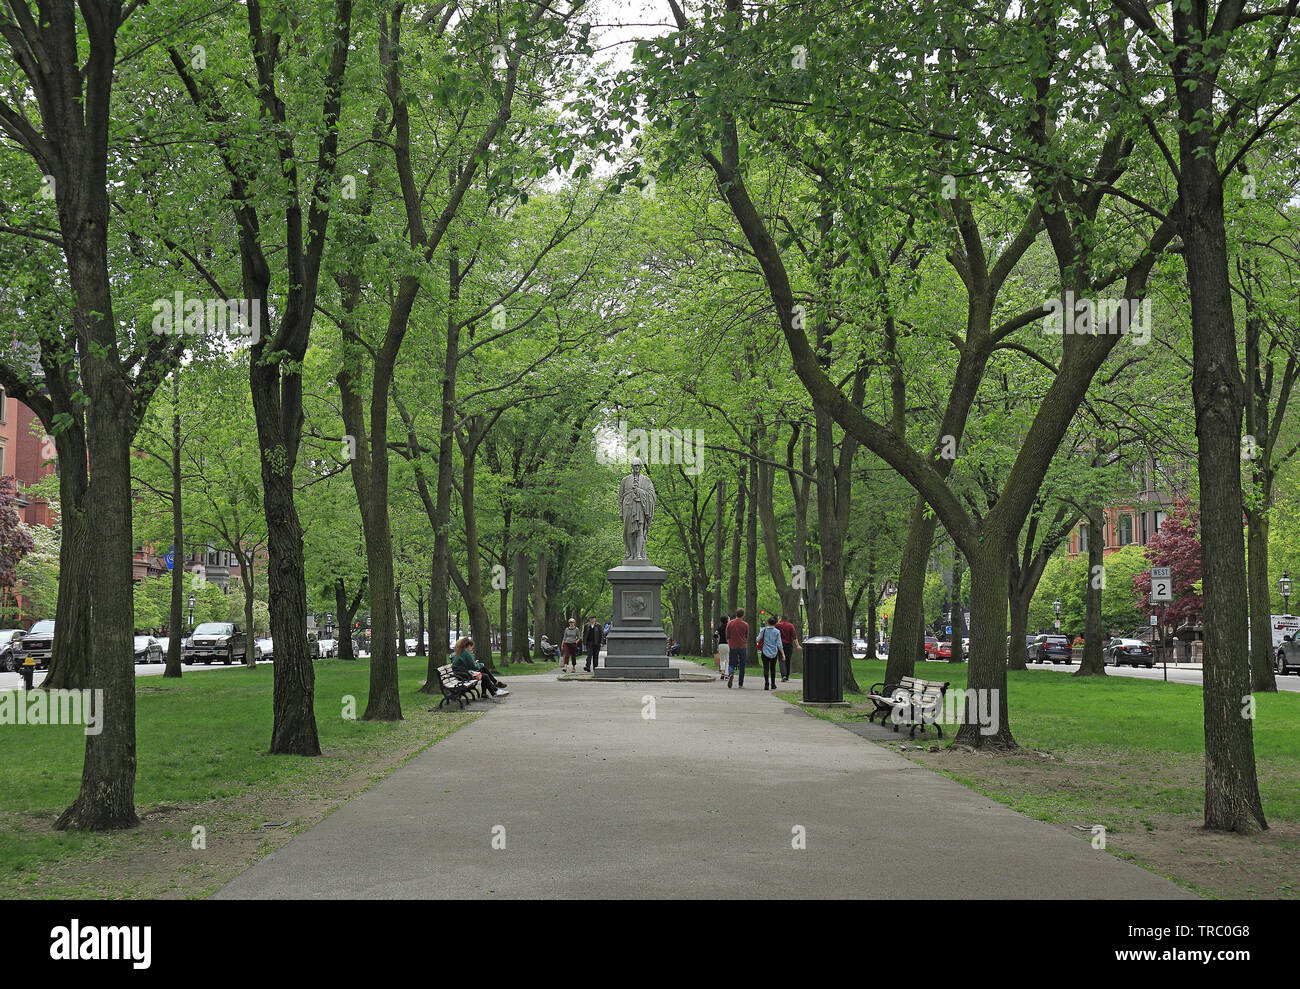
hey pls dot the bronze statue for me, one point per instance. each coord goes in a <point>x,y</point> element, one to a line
<point>636,503</point>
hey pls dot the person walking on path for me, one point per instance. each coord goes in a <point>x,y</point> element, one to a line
<point>468,667</point>
<point>591,639</point>
<point>569,646</point>
<point>720,647</point>
<point>738,643</point>
<point>769,648</point>
<point>789,643</point>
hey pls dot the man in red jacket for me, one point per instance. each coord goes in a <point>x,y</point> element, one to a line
<point>737,642</point>
<point>788,644</point>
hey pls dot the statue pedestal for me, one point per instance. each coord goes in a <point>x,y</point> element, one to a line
<point>637,646</point>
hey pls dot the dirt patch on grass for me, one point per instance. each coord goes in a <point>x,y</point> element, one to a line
<point>185,851</point>
<point>1143,809</point>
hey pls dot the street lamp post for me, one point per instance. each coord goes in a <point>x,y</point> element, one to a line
<point>191,612</point>
<point>1284,585</point>
<point>1056,607</point>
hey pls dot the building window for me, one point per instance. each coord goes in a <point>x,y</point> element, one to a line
<point>1160,520</point>
<point>1125,529</point>
<point>1083,538</point>
<point>4,409</point>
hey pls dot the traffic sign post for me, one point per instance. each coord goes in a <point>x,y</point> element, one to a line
<point>1162,593</point>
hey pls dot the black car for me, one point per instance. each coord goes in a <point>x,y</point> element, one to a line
<point>1288,656</point>
<point>38,643</point>
<point>1048,648</point>
<point>9,638</point>
<point>216,640</point>
<point>1129,652</point>
<point>147,649</point>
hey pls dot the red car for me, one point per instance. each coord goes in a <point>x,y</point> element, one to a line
<point>944,650</point>
<point>931,647</point>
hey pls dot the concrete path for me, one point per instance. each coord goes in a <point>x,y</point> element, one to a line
<point>706,799</point>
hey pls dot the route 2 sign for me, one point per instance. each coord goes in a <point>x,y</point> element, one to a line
<point>1162,585</point>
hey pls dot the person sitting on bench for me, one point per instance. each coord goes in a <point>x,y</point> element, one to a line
<point>465,664</point>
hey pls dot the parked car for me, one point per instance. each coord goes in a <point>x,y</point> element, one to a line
<point>9,638</point>
<point>859,647</point>
<point>1129,652</point>
<point>931,647</point>
<point>38,643</point>
<point>1288,656</point>
<point>943,651</point>
<point>147,649</point>
<point>262,649</point>
<point>329,648</point>
<point>1049,648</point>
<point>225,641</point>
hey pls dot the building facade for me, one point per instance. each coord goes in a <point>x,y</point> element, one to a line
<point>1139,516</point>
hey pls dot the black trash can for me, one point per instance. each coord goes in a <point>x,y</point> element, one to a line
<point>823,670</point>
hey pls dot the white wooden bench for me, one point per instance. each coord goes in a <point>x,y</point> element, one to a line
<point>917,702</point>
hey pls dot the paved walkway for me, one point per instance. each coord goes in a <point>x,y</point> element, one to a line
<point>702,801</point>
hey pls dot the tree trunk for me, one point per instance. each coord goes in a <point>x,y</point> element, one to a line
<point>737,531</point>
<point>1093,663</point>
<point>70,659</point>
<point>106,800</point>
<point>519,593</point>
<point>1018,600</point>
<point>419,631</point>
<point>1232,801</point>
<point>1262,675</point>
<point>246,579</point>
<point>751,558</point>
<point>173,668</point>
<point>540,603</point>
<point>400,621</point>
<point>987,675</point>
<point>907,637</point>
<point>347,615</point>
<point>441,576</point>
<point>958,612</point>
<point>107,797</point>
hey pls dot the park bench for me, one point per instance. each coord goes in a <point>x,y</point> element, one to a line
<point>920,700</point>
<point>454,688</point>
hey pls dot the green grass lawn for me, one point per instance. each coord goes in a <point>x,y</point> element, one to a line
<point>1121,718</point>
<point>201,760</point>
<point>1128,754</point>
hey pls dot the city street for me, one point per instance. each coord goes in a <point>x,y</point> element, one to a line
<point>14,681</point>
<point>1290,682</point>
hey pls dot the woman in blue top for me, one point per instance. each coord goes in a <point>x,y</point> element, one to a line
<point>467,666</point>
<point>769,646</point>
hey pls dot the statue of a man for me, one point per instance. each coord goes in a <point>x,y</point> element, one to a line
<point>636,503</point>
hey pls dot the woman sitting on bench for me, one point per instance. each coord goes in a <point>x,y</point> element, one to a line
<point>464,663</point>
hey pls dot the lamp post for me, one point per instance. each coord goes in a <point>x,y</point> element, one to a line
<point>801,624</point>
<point>1056,607</point>
<point>1284,585</point>
<point>191,612</point>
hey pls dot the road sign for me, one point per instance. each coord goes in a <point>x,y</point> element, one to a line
<point>1058,623</point>
<point>1162,585</point>
<point>169,558</point>
<point>1154,621</point>
<point>947,630</point>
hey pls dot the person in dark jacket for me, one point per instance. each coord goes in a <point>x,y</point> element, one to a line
<point>466,666</point>
<point>591,637</point>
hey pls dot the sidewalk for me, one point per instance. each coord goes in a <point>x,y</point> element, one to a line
<point>702,801</point>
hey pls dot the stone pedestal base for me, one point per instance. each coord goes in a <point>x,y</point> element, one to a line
<point>637,648</point>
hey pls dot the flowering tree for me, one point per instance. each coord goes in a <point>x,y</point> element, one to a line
<point>15,543</point>
<point>1177,546</point>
